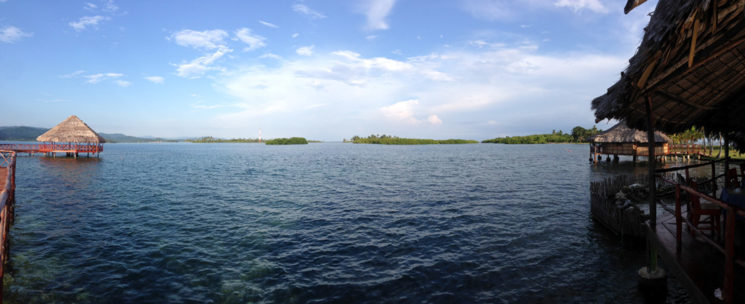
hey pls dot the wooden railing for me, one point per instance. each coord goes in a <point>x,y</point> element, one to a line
<point>54,147</point>
<point>7,199</point>
<point>729,230</point>
<point>688,149</point>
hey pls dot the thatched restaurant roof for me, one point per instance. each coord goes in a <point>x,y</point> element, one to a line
<point>689,70</point>
<point>621,133</point>
<point>71,130</point>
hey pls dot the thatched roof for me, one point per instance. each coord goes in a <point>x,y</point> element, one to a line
<point>690,67</point>
<point>72,130</point>
<point>621,133</point>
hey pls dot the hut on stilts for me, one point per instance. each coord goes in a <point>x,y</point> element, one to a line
<point>622,140</point>
<point>72,137</point>
<point>688,71</point>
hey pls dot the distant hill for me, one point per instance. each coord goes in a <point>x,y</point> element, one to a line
<point>21,133</point>
<point>31,133</point>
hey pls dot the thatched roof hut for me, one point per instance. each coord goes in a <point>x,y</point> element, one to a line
<point>688,70</point>
<point>71,130</point>
<point>621,133</point>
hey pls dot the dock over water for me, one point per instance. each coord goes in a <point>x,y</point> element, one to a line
<point>7,199</point>
<point>70,149</point>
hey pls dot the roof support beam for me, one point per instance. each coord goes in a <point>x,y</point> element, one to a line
<point>651,164</point>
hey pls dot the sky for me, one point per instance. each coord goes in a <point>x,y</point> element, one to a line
<point>321,69</point>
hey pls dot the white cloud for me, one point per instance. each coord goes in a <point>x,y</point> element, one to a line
<point>73,74</point>
<point>271,56</point>
<point>254,41</point>
<point>305,50</point>
<point>371,37</point>
<point>490,9</point>
<point>360,94</point>
<point>377,11</point>
<point>268,24</point>
<point>295,35</point>
<point>492,122</point>
<point>86,22</point>
<point>402,111</point>
<point>96,78</point>
<point>122,83</point>
<point>305,10</point>
<point>90,6</point>
<point>110,7</point>
<point>11,34</point>
<point>155,79</point>
<point>197,67</point>
<point>205,40</point>
<point>578,5</point>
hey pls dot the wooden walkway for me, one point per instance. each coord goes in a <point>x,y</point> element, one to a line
<point>707,263</point>
<point>7,198</point>
<point>72,149</point>
<point>696,264</point>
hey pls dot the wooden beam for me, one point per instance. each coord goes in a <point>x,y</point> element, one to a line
<point>682,101</point>
<point>692,53</point>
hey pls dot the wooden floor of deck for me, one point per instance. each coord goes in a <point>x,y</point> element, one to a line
<point>3,178</point>
<point>701,278</point>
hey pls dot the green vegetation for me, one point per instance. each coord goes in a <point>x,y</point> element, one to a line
<point>393,140</point>
<point>210,140</point>
<point>287,141</point>
<point>579,135</point>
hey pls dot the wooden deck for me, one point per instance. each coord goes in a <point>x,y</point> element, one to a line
<point>73,149</point>
<point>7,198</point>
<point>696,264</point>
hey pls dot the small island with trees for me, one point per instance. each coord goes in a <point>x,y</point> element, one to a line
<point>578,135</point>
<point>395,140</point>
<point>211,140</point>
<point>287,141</point>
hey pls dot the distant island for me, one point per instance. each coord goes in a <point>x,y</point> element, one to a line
<point>210,140</point>
<point>394,140</point>
<point>287,141</point>
<point>23,133</point>
<point>578,135</point>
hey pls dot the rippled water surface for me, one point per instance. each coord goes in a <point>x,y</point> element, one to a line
<point>330,222</point>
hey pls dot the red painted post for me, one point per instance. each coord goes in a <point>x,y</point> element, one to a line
<point>678,218</point>
<point>729,256</point>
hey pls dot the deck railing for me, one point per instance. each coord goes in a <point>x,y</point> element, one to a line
<point>728,250</point>
<point>7,198</point>
<point>687,149</point>
<point>54,147</point>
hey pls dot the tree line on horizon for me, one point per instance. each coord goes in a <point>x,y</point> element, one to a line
<point>395,140</point>
<point>578,135</point>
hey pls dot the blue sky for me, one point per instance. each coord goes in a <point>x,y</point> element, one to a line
<point>321,69</point>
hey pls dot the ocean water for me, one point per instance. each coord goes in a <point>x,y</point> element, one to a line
<point>318,223</point>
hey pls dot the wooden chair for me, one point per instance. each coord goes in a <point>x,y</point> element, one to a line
<point>730,179</point>
<point>697,209</point>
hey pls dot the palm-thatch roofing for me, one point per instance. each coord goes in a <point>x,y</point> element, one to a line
<point>621,133</point>
<point>689,70</point>
<point>71,130</point>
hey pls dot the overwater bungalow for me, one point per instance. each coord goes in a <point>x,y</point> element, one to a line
<point>622,140</point>
<point>72,137</point>
<point>688,71</point>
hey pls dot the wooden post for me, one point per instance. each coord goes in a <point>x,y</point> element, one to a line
<point>678,218</point>
<point>714,179</point>
<point>729,254</point>
<point>726,152</point>
<point>652,267</point>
